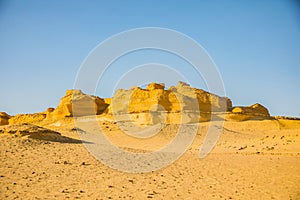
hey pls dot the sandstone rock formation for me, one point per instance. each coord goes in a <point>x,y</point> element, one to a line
<point>207,102</point>
<point>155,104</point>
<point>27,118</point>
<point>255,111</point>
<point>76,103</point>
<point>191,103</point>
<point>4,117</point>
<point>175,99</point>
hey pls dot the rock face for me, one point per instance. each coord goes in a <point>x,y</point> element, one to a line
<point>207,102</point>
<point>4,117</point>
<point>175,99</point>
<point>180,99</point>
<point>76,103</point>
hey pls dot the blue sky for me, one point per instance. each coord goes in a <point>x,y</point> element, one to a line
<point>255,45</point>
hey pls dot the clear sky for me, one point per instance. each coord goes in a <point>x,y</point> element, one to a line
<point>255,45</point>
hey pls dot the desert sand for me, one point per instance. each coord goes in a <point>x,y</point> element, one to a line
<point>252,160</point>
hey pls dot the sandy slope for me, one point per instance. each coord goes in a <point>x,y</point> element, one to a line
<point>252,160</point>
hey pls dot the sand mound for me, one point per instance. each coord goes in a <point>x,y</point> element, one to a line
<point>24,129</point>
<point>36,132</point>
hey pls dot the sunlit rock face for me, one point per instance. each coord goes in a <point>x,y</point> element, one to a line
<point>76,103</point>
<point>179,98</point>
<point>180,103</point>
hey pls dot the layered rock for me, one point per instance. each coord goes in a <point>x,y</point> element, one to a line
<point>175,99</point>
<point>4,117</point>
<point>192,103</point>
<point>76,103</point>
<point>207,102</point>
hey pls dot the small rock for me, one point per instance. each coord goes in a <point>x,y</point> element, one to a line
<point>241,148</point>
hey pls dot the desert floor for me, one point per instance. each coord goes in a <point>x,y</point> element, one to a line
<point>252,160</point>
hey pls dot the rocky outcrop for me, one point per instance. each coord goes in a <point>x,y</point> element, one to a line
<point>155,104</point>
<point>242,113</point>
<point>193,103</point>
<point>175,99</point>
<point>76,103</point>
<point>207,102</point>
<point>27,118</point>
<point>4,117</point>
<point>255,109</point>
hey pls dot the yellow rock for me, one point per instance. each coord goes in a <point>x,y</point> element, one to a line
<point>153,86</point>
<point>242,113</point>
<point>76,103</point>
<point>107,100</point>
<point>180,99</point>
<point>4,117</point>
<point>27,118</point>
<point>155,104</point>
<point>255,109</point>
<point>50,110</point>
